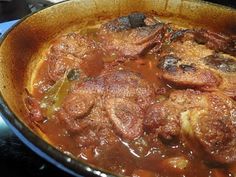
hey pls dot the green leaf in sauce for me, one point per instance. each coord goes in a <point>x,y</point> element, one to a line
<point>73,74</point>
<point>54,96</point>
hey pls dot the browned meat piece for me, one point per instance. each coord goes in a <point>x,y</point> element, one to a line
<point>163,119</point>
<point>129,36</point>
<point>75,106</point>
<point>33,107</point>
<point>188,75</point>
<point>176,35</point>
<point>86,120</point>
<point>211,124</point>
<point>126,84</point>
<point>78,105</point>
<point>224,66</point>
<point>216,41</point>
<point>126,116</point>
<point>120,84</point>
<point>218,62</point>
<point>186,63</point>
<point>205,123</point>
<point>69,52</point>
<point>120,94</point>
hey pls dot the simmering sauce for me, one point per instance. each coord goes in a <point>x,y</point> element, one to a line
<point>137,97</point>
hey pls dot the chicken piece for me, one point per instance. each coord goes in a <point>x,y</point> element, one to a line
<point>130,36</point>
<point>188,64</point>
<point>204,122</point>
<point>72,51</point>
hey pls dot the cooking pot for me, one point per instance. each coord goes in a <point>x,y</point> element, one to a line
<point>21,46</point>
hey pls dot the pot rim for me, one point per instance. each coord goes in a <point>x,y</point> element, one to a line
<point>56,157</point>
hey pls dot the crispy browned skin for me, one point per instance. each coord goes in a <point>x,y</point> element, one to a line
<point>72,51</point>
<point>130,36</point>
<point>205,123</point>
<point>188,64</point>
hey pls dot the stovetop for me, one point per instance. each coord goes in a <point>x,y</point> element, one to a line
<point>17,160</point>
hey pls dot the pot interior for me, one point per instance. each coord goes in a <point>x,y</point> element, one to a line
<point>21,48</point>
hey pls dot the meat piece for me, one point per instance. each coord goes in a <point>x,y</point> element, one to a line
<point>169,63</point>
<point>188,75</point>
<point>188,64</point>
<point>163,119</point>
<point>204,122</point>
<point>219,62</point>
<point>210,127</point>
<point>136,20</point>
<point>120,96</point>
<point>78,105</point>
<point>120,84</point>
<point>86,120</point>
<point>93,62</point>
<point>225,66</point>
<point>216,41</point>
<point>178,34</point>
<point>129,36</point>
<point>33,107</point>
<point>75,106</point>
<point>126,117</point>
<point>127,84</point>
<point>203,79</point>
<point>69,52</point>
